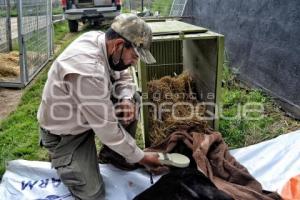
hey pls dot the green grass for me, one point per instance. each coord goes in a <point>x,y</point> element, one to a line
<point>57,10</point>
<point>61,29</point>
<point>18,135</point>
<point>241,131</point>
<point>19,131</point>
<point>14,12</point>
<point>163,6</point>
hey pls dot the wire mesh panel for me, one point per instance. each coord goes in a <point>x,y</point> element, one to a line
<point>13,3</point>
<point>35,29</point>
<point>160,7</point>
<point>4,45</point>
<point>57,8</point>
<point>31,33</point>
<point>9,61</point>
<point>133,5</point>
<point>178,7</point>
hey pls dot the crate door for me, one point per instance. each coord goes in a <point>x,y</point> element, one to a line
<point>204,59</point>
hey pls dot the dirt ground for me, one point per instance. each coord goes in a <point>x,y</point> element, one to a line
<point>9,99</point>
<point>9,70</point>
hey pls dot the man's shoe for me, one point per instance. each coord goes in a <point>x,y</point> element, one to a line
<point>106,155</point>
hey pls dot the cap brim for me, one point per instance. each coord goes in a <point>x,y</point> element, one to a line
<point>145,55</point>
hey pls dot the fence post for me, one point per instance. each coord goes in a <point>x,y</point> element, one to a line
<point>22,48</point>
<point>142,6</point>
<point>49,29</point>
<point>8,26</point>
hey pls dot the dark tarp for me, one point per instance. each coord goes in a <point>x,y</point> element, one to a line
<point>262,41</point>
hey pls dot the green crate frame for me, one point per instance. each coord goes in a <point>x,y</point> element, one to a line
<point>193,51</point>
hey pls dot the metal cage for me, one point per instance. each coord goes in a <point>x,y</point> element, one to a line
<point>5,40</point>
<point>179,46</point>
<point>32,36</point>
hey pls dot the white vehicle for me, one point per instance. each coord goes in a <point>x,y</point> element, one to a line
<point>92,11</point>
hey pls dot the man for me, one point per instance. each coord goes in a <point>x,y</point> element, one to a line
<point>77,104</point>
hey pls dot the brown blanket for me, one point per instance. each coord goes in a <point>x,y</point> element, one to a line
<point>212,157</point>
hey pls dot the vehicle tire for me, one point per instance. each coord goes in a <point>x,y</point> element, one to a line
<point>97,23</point>
<point>73,26</point>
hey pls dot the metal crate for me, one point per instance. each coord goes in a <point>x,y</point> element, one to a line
<point>33,32</point>
<point>179,46</point>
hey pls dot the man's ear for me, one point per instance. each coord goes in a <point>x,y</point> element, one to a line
<point>118,42</point>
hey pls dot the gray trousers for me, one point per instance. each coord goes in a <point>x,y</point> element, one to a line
<point>75,159</point>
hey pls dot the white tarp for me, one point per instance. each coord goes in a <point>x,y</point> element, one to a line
<point>36,180</point>
<point>272,162</point>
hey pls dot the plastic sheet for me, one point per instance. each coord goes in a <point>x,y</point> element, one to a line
<point>36,180</point>
<point>272,163</point>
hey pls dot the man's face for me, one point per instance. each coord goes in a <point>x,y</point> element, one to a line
<point>124,50</point>
<point>129,55</point>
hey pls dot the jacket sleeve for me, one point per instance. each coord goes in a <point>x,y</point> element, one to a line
<point>123,85</point>
<point>92,97</point>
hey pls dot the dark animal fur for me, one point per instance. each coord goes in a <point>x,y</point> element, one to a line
<point>183,184</point>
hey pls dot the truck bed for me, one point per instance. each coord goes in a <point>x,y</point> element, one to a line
<point>95,9</point>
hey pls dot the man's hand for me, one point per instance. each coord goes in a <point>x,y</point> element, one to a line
<point>126,112</point>
<point>150,160</point>
<point>152,164</point>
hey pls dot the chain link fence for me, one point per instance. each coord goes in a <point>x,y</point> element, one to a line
<point>35,28</point>
<point>4,27</point>
<point>57,8</point>
<point>178,7</point>
<point>158,7</point>
<point>32,46</point>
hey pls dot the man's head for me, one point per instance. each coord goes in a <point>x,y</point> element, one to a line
<point>128,39</point>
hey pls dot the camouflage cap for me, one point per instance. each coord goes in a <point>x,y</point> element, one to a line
<point>136,31</point>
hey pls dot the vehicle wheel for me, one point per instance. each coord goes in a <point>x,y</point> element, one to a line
<point>97,23</point>
<point>73,25</point>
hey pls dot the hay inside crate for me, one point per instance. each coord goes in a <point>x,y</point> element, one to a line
<point>170,91</point>
<point>201,53</point>
<point>9,65</point>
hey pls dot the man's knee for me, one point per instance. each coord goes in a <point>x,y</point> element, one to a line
<point>48,140</point>
<point>83,184</point>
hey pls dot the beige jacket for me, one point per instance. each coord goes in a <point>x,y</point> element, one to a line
<point>77,95</point>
